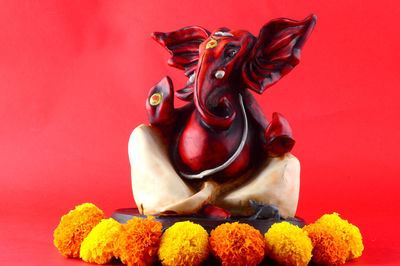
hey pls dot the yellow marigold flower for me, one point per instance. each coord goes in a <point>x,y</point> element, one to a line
<point>288,244</point>
<point>74,227</point>
<point>351,233</point>
<point>335,240</point>
<point>98,246</point>
<point>237,244</point>
<point>139,241</point>
<point>184,243</point>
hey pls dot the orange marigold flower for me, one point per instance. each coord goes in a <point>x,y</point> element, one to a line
<point>237,244</point>
<point>98,247</point>
<point>74,227</point>
<point>335,240</point>
<point>139,241</point>
<point>288,244</point>
<point>184,243</point>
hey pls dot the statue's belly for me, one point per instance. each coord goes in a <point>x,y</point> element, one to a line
<point>201,148</point>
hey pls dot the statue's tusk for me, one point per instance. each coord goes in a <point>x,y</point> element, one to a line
<point>219,74</point>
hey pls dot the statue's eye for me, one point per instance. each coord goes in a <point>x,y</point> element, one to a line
<point>231,51</point>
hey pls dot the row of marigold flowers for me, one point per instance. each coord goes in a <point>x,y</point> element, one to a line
<point>86,233</point>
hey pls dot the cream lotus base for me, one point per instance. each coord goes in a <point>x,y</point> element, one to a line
<point>159,190</point>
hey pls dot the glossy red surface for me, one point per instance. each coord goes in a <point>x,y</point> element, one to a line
<point>74,77</point>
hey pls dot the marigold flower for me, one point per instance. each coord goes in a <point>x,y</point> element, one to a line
<point>74,227</point>
<point>139,241</point>
<point>288,244</point>
<point>98,246</point>
<point>335,240</point>
<point>184,243</point>
<point>237,244</point>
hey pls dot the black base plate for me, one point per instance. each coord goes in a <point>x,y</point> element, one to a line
<point>124,215</point>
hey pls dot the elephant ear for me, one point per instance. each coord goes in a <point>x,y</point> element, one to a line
<point>276,51</point>
<point>183,45</point>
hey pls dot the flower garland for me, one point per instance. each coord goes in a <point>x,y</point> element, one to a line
<point>85,232</point>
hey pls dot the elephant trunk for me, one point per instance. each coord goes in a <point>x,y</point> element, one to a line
<point>223,121</point>
<point>231,159</point>
<point>213,104</point>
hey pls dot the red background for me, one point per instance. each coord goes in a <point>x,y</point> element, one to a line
<point>74,76</point>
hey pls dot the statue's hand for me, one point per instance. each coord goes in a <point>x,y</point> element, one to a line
<point>278,136</point>
<point>160,103</point>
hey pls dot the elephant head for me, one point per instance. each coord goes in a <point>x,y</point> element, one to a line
<point>221,64</point>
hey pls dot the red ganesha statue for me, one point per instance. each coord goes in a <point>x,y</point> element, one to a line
<point>219,149</point>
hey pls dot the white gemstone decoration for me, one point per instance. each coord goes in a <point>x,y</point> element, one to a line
<point>219,74</point>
